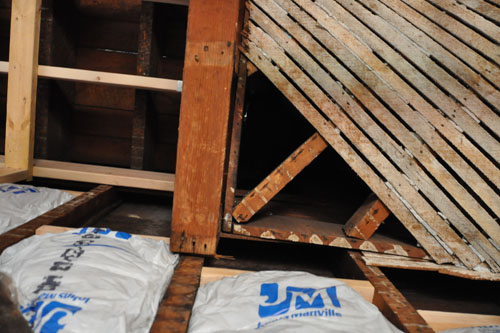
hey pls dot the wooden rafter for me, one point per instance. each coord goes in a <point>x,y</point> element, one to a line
<point>366,220</point>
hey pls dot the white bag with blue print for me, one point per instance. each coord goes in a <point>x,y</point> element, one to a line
<point>89,280</point>
<point>21,203</point>
<point>277,301</point>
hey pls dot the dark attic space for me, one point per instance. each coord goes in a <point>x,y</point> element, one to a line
<point>245,165</point>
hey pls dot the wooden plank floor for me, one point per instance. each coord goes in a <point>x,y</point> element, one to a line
<point>407,92</point>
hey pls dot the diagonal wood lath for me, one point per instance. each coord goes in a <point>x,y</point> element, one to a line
<point>407,92</point>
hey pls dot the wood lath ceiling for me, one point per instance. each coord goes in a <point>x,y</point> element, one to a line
<point>407,92</point>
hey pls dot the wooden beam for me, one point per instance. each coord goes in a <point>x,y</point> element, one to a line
<point>279,178</point>
<point>170,2</point>
<point>72,213</point>
<point>367,218</point>
<point>116,79</point>
<point>440,321</point>
<point>22,82</point>
<point>209,72</point>
<point>102,175</point>
<point>234,151</point>
<point>390,301</point>
<point>175,308</point>
<point>9,175</point>
<point>147,60</point>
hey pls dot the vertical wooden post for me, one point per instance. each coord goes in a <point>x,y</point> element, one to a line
<point>147,59</point>
<point>208,82</point>
<point>21,89</point>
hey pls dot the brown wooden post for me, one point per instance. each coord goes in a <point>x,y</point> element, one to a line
<point>208,82</point>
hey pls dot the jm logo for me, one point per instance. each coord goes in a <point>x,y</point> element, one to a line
<point>46,316</point>
<point>17,190</point>
<point>295,299</point>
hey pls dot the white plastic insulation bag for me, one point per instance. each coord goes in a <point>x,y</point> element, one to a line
<point>89,280</point>
<point>21,203</point>
<point>278,301</point>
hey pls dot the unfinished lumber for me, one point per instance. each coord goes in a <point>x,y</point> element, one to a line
<point>234,150</point>
<point>461,93</point>
<point>147,59</point>
<point>310,231</point>
<point>279,178</point>
<point>9,175</point>
<point>474,59</point>
<point>175,307</point>
<point>394,261</point>
<point>458,29</point>
<point>484,8</point>
<point>366,220</point>
<point>403,160</point>
<point>439,320</point>
<point>209,72</point>
<point>71,213</point>
<point>104,175</point>
<point>474,80</point>
<point>357,138</point>
<point>22,83</point>
<point>332,135</point>
<point>451,108</point>
<point>389,299</point>
<point>486,27</point>
<point>171,2</point>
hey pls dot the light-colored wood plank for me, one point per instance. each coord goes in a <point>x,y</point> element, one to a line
<point>115,79</point>
<point>440,321</point>
<point>52,229</point>
<point>484,8</point>
<point>456,162</point>
<point>451,108</point>
<point>104,175</point>
<point>477,61</point>
<point>357,138</point>
<point>9,175</point>
<point>477,21</point>
<point>459,30</point>
<point>366,220</point>
<point>439,199</point>
<point>279,178</point>
<point>392,261</point>
<point>448,59</point>
<point>331,134</point>
<point>22,83</point>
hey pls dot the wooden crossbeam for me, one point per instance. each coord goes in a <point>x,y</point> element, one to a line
<point>279,178</point>
<point>115,79</point>
<point>22,82</point>
<point>367,218</point>
<point>102,175</point>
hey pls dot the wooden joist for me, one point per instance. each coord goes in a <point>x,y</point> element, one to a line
<point>114,79</point>
<point>433,142</point>
<point>390,301</point>
<point>279,178</point>
<point>366,220</point>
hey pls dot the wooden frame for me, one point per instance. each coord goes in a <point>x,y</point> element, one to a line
<point>19,164</point>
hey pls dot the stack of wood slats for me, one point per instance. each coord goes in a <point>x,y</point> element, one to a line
<point>407,92</point>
